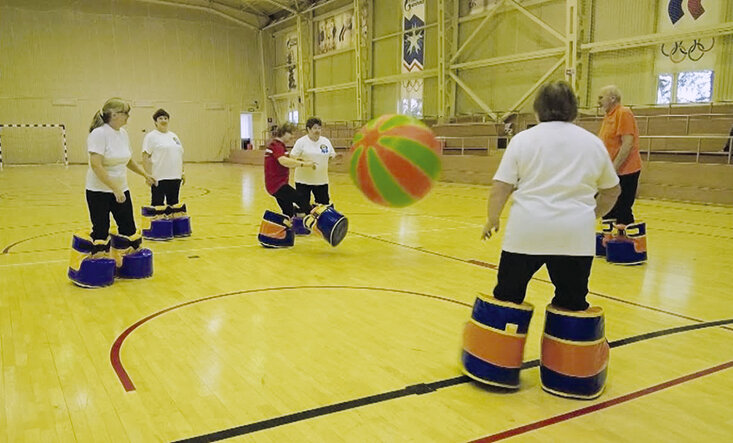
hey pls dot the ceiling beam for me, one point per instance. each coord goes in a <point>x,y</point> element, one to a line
<point>639,41</point>
<point>208,6</point>
<point>310,8</point>
<point>280,5</point>
<point>255,10</point>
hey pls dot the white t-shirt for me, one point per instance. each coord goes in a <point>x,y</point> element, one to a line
<point>556,168</point>
<point>318,152</point>
<point>166,154</point>
<point>114,147</point>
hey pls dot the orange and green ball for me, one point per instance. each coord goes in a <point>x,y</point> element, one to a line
<point>395,160</point>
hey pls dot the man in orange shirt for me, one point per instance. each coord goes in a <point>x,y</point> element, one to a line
<point>621,137</point>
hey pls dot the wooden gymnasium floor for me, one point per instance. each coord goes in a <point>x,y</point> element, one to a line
<point>354,343</point>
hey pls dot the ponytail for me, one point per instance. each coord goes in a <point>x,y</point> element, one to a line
<point>97,121</point>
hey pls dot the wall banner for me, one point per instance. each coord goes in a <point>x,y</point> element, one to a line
<point>334,32</point>
<point>291,59</point>
<point>413,56</point>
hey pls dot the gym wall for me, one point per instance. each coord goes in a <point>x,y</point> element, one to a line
<point>62,59</point>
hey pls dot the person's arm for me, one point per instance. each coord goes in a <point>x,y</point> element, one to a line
<point>293,163</point>
<point>627,142</point>
<point>147,163</point>
<point>95,162</point>
<point>133,166</point>
<point>297,151</point>
<point>147,153</point>
<point>333,154</point>
<point>605,199</point>
<point>183,173</point>
<point>498,197</point>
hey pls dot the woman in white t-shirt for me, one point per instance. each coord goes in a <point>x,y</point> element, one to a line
<point>562,180</point>
<point>163,159</point>
<point>315,148</point>
<point>109,158</point>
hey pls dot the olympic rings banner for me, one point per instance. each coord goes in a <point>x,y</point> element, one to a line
<point>687,15</point>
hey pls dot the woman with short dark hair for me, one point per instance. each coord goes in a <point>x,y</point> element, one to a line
<point>556,102</point>
<point>317,149</point>
<point>562,179</point>
<point>163,159</point>
<point>553,170</point>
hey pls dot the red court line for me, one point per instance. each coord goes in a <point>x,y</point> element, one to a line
<point>603,405</point>
<point>114,352</point>
<point>483,263</point>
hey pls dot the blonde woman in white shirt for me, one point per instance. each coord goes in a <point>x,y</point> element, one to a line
<point>163,159</point>
<point>315,148</point>
<point>109,157</point>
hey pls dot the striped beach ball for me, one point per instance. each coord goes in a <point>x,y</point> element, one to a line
<point>395,159</point>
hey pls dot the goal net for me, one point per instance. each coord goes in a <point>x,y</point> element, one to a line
<point>32,144</point>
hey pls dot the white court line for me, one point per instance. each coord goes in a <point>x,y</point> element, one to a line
<point>386,234</point>
<point>33,263</point>
<point>159,252</point>
<point>397,211</point>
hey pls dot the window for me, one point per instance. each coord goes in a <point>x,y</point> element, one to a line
<point>293,116</point>
<point>664,88</point>
<point>694,86</point>
<point>689,87</point>
<point>411,106</point>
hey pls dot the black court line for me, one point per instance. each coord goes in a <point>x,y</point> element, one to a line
<point>42,225</point>
<point>418,389</point>
<point>48,234</point>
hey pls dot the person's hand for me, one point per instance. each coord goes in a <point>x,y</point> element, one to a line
<point>119,196</point>
<point>183,179</point>
<point>150,180</point>
<point>491,227</point>
<point>311,165</point>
